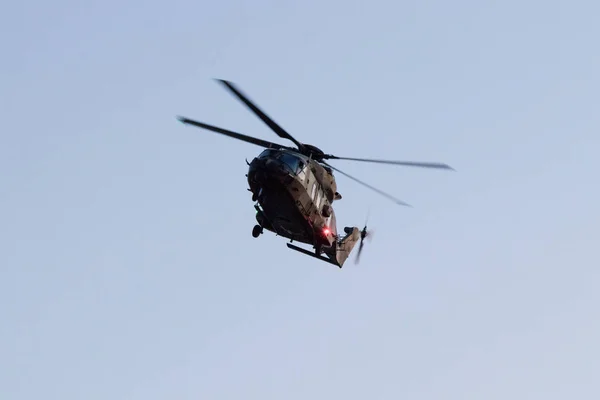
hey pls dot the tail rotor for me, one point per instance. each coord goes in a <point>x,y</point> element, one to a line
<point>364,234</point>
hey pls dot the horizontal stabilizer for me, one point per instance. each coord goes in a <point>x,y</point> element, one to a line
<point>310,253</point>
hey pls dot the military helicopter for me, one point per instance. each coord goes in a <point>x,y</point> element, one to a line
<point>293,189</point>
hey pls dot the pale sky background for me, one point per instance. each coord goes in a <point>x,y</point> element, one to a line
<point>128,269</point>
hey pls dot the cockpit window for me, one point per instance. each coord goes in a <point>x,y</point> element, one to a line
<point>294,163</point>
<point>268,153</point>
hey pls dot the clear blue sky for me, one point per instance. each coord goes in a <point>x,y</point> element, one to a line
<point>127,266</point>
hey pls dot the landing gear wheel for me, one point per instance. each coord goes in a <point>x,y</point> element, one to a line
<point>256,231</point>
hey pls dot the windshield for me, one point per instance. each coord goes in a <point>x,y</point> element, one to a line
<point>268,153</point>
<point>293,162</point>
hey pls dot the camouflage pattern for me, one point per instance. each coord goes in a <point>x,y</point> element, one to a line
<point>294,196</point>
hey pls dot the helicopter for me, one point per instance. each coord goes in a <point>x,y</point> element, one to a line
<point>294,188</point>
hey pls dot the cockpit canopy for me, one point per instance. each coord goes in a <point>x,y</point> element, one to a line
<point>268,153</point>
<point>294,162</point>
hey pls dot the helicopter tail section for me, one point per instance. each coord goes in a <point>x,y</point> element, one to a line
<point>346,245</point>
<point>337,254</point>
<point>312,254</point>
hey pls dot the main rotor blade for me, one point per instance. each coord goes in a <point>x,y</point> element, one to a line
<point>235,135</point>
<point>405,163</point>
<point>264,117</point>
<point>389,196</point>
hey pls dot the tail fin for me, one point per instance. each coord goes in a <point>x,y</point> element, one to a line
<point>345,246</point>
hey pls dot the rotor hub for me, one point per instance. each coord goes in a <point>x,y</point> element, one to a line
<point>313,152</point>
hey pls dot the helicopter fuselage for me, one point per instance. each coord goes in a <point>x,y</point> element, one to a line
<point>290,200</point>
<point>293,195</point>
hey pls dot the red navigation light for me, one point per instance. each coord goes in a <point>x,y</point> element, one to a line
<point>326,231</point>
